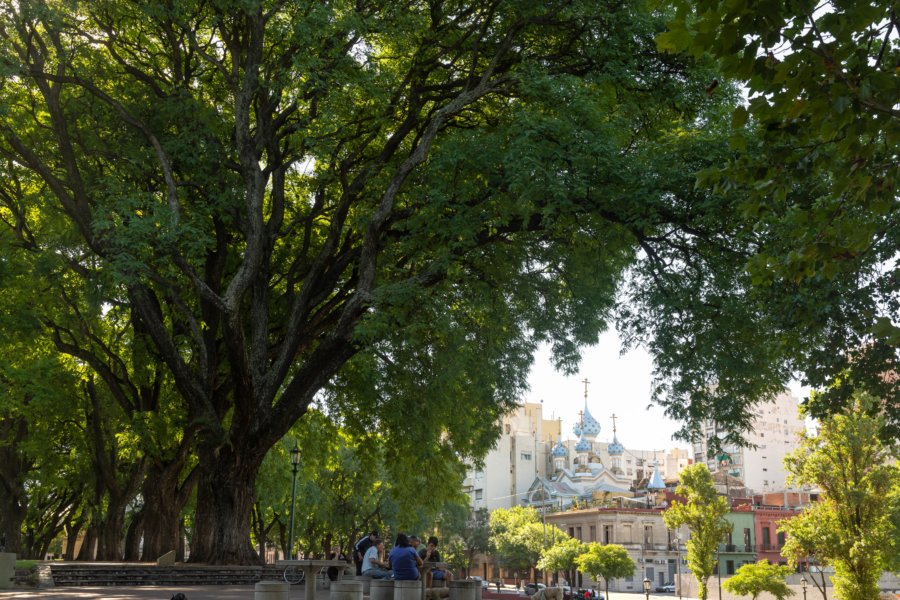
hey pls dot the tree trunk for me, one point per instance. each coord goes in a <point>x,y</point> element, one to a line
<point>12,514</point>
<point>72,531</point>
<point>111,532</point>
<point>225,495</point>
<point>14,469</point>
<point>87,551</point>
<point>133,536</point>
<point>163,502</point>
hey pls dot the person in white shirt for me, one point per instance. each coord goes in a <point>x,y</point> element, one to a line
<point>373,564</point>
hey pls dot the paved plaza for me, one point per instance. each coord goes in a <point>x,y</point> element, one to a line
<point>210,592</point>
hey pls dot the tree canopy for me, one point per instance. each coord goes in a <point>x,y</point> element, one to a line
<point>609,561</point>
<point>376,207</point>
<point>815,154</point>
<point>752,579</point>
<point>239,215</point>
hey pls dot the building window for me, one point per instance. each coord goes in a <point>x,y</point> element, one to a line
<point>593,533</point>
<point>729,567</point>
<point>571,532</point>
<point>526,456</point>
<point>766,541</point>
<point>648,535</point>
<point>746,539</point>
<point>578,533</point>
<point>479,494</point>
<point>780,539</point>
<point>607,534</point>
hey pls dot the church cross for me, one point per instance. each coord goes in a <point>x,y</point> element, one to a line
<point>614,422</point>
<point>585,382</point>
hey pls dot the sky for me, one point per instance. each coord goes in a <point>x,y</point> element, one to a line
<point>617,385</point>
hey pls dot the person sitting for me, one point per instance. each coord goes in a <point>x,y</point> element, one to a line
<point>430,554</point>
<point>373,564</point>
<point>404,561</point>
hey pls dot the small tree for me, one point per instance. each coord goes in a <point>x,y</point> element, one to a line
<point>856,516</point>
<point>562,555</point>
<point>809,535</point>
<point>517,537</point>
<point>607,561</point>
<point>703,513</point>
<point>753,579</point>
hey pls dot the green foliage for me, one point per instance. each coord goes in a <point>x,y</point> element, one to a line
<point>854,525</point>
<point>516,537</point>
<point>703,512</point>
<point>467,529</point>
<point>816,165</point>
<point>753,579</point>
<point>609,561</point>
<point>562,555</point>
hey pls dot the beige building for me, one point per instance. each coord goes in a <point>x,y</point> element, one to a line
<point>775,434</point>
<point>655,549</point>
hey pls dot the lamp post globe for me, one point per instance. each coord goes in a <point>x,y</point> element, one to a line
<point>295,462</point>
<point>646,588</point>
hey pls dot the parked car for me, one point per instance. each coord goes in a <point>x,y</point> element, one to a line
<point>669,587</point>
<point>484,583</point>
<point>532,588</point>
<point>592,594</point>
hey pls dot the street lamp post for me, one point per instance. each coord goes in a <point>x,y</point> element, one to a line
<point>646,588</point>
<point>719,570</point>
<point>295,463</point>
<point>678,562</point>
<point>803,586</point>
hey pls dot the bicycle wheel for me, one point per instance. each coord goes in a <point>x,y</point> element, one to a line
<point>293,575</point>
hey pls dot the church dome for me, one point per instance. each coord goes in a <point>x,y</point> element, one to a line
<point>559,451</point>
<point>588,426</point>
<point>615,448</point>
<point>583,445</point>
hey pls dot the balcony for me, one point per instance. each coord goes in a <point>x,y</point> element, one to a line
<point>733,548</point>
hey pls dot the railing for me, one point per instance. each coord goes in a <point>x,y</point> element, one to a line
<point>742,548</point>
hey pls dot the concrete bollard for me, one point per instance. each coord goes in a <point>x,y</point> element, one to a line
<point>271,590</point>
<point>346,589</point>
<point>7,569</point>
<point>381,589</point>
<point>464,589</point>
<point>407,590</point>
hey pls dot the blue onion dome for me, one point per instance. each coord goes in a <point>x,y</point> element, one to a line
<point>587,425</point>
<point>615,448</point>
<point>591,427</point>
<point>559,451</point>
<point>583,445</point>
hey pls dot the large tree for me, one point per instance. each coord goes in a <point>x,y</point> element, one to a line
<point>859,479</point>
<point>394,201</point>
<point>703,511</point>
